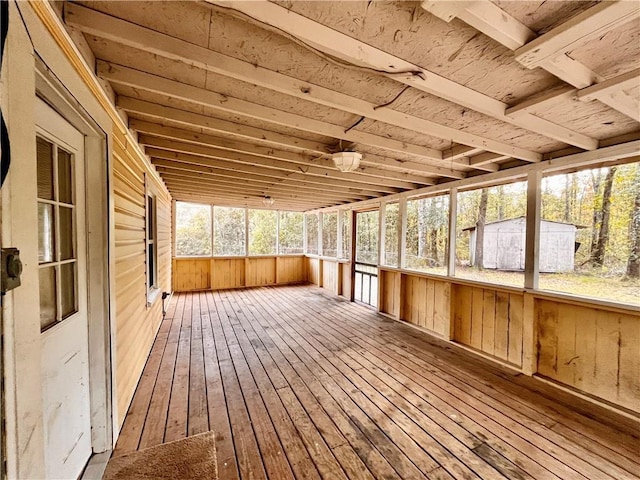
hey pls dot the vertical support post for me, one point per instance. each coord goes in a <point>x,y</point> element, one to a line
<point>353,255</point>
<point>339,252</point>
<point>277,246</point>
<point>382,219</point>
<point>451,245</point>
<point>305,246</point>
<point>320,245</point>
<point>532,245</point>
<point>213,231</point>
<point>402,232</point>
<point>531,273</point>
<point>246,232</point>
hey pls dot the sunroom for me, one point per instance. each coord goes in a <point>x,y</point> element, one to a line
<point>318,239</point>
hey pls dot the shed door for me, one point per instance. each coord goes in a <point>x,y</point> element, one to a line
<point>63,295</point>
<point>509,251</point>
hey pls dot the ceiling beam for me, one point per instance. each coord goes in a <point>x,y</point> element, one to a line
<point>213,174</point>
<point>152,83</point>
<point>148,40</point>
<point>590,24</point>
<point>318,166</point>
<point>215,125</point>
<point>189,160</point>
<point>611,92</point>
<point>549,50</point>
<point>204,185</point>
<point>355,51</point>
<point>486,17</point>
<point>204,139</point>
<point>244,200</point>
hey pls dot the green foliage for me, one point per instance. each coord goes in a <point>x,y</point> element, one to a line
<point>263,225</point>
<point>427,232</point>
<point>312,233</point>
<point>391,227</point>
<point>367,241</point>
<point>193,229</point>
<point>291,233</point>
<point>229,231</point>
<point>330,234</point>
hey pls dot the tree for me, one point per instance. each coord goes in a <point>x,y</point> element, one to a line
<point>633,263</point>
<point>597,254</point>
<point>482,220</point>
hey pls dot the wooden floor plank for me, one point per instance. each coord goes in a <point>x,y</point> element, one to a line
<point>298,384</point>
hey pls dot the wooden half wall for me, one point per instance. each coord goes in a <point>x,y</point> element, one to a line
<point>588,347</point>
<point>136,323</point>
<point>197,273</point>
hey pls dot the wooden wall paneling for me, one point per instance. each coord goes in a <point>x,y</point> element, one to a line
<point>590,349</point>
<point>442,308</point>
<point>488,321</point>
<point>389,284</point>
<point>313,270</point>
<point>516,328</point>
<point>629,361</point>
<point>346,280</point>
<point>227,273</point>
<point>430,295</point>
<point>477,304</point>
<point>291,270</point>
<point>191,274</point>
<point>501,332</point>
<point>329,274</point>
<point>260,271</point>
<point>462,314</point>
<point>135,323</point>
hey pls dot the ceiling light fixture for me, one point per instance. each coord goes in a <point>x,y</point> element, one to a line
<point>346,161</point>
<point>267,201</point>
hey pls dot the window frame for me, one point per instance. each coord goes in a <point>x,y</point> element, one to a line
<point>151,243</point>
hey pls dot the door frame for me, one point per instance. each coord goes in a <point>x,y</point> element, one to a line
<point>50,90</point>
<point>354,240</point>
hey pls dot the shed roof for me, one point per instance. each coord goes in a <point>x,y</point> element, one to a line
<point>523,218</point>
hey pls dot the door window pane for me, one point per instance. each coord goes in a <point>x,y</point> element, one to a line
<point>312,233</point>
<point>330,234</point>
<point>367,237</point>
<point>68,289</point>
<point>46,237</point>
<point>66,233</point>
<point>65,180</point>
<point>48,309</point>
<point>44,151</point>
<point>346,235</point>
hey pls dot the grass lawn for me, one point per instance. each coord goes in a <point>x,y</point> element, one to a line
<point>616,289</point>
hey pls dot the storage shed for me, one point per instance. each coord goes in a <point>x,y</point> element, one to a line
<point>504,245</point>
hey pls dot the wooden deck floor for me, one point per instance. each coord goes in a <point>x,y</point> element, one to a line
<point>298,384</point>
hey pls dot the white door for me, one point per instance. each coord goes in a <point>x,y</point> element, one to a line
<point>63,295</point>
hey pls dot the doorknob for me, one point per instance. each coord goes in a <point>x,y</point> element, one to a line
<point>11,269</point>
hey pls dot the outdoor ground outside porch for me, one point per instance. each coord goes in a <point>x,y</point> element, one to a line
<point>297,383</point>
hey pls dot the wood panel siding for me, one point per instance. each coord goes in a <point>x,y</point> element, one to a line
<point>389,285</point>
<point>593,350</point>
<point>331,275</point>
<point>136,323</point>
<point>426,303</point>
<point>489,320</point>
<point>291,270</point>
<point>298,384</point>
<point>313,270</point>
<point>260,271</point>
<point>191,274</point>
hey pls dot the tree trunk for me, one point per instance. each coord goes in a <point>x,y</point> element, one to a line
<point>597,212</point>
<point>633,264</point>
<point>434,245</point>
<point>567,199</point>
<point>597,256</point>
<point>482,219</point>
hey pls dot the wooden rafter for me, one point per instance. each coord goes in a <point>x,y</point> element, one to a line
<point>549,51</point>
<point>317,166</point>
<point>352,50</point>
<point>144,81</point>
<point>216,142</point>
